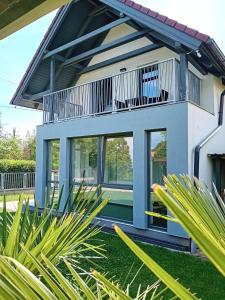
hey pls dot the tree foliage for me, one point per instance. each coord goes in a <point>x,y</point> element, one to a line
<point>118,160</point>
<point>11,148</point>
<point>29,147</point>
<point>17,166</point>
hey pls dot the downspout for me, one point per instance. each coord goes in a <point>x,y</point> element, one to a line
<point>209,137</point>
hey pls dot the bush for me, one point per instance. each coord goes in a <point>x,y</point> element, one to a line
<point>16,166</point>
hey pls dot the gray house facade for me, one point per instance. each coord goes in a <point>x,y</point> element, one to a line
<point>128,96</point>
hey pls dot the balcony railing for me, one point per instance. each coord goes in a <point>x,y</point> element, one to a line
<point>154,84</point>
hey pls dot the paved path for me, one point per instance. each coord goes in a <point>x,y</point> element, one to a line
<point>12,205</point>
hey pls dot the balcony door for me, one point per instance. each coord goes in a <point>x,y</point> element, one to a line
<point>101,95</point>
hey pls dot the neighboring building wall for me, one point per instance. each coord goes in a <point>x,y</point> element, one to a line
<point>201,124</point>
<point>217,144</point>
<point>207,100</point>
<point>172,117</point>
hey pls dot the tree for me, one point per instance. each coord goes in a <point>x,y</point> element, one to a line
<point>118,160</point>
<point>29,146</point>
<point>11,148</point>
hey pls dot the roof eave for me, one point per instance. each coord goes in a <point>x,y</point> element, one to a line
<point>30,16</point>
<point>148,21</point>
<point>17,97</point>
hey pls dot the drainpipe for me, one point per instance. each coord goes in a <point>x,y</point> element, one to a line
<point>209,137</point>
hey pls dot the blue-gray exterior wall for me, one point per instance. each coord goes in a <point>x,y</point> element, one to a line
<point>172,117</point>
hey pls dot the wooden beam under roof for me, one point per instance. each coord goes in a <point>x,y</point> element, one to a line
<point>35,96</point>
<point>105,47</point>
<point>87,36</point>
<point>121,58</point>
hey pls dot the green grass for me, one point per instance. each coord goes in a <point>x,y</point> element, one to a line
<point>198,275</point>
<point>15,197</point>
<point>194,273</point>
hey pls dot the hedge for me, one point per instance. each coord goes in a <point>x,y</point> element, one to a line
<point>16,166</point>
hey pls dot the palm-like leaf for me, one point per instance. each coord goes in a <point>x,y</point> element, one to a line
<point>51,233</point>
<point>200,214</point>
<point>19,283</point>
<point>165,277</point>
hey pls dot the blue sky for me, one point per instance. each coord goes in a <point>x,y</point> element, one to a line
<point>17,50</point>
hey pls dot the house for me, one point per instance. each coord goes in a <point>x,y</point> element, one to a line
<point>128,96</point>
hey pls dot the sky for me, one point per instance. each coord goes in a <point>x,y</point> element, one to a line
<point>17,50</point>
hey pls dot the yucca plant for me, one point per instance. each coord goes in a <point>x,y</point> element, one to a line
<point>192,206</point>
<point>200,213</point>
<point>19,283</point>
<point>53,233</point>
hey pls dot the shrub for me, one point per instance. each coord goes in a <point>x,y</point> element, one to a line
<point>14,166</point>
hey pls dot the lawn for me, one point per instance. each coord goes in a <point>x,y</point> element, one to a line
<point>194,273</point>
<point>198,275</point>
<point>15,197</point>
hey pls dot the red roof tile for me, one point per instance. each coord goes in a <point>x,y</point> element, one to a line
<point>147,11</point>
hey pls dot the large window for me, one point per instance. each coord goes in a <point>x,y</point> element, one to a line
<point>157,169</point>
<point>118,177</point>
<point>85,160</point>
<point>118,160</point>
<point>107,161</point>
<point>53,170</point>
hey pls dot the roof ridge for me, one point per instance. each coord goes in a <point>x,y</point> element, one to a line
<point>166,20</point>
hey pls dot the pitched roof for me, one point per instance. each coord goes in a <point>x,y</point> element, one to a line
<point>211,48</point>
<point>166,20</point>
<point>62,30</point>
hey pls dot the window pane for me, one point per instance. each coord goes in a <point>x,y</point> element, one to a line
<point>150,89</point>
<point>53,170</point>
<point>119,160</point>
<point>120,206</point>
<point>84,160</point>
<point>53,192</point>
<point>158,169</point>
<point>151,83</point>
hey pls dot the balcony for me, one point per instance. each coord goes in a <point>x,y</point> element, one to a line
<point>155,84</point>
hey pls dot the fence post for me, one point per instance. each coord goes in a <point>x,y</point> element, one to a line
<point>24,180</point>
<point>2,181</point>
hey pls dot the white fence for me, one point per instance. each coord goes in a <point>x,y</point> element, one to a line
<point>17,181</point>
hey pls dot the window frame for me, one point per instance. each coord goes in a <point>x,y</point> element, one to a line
<point>48,180</point>
<point>101,152</point>
<point>110,185</point>
<point>72,182</point>
<point>149,176</point>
